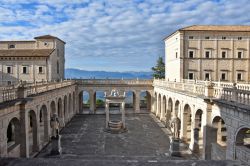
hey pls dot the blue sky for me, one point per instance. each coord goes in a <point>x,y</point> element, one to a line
<point>113,35</point>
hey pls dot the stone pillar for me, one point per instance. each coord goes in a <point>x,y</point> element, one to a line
<point>24,132</point>
<point>92,101</point>
<point>163,109</point>
<point>192,139</point>
<point>137,101</point>
<point>157,105</point>
<point>123,114</point>
<point>80,102</point>
<point>36,135</point>
<point>107,114</point>
<point>3,142</point>
<point>183,133</point>
<point>153,102</point>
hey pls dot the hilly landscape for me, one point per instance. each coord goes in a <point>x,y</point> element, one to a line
<point>84,74</point>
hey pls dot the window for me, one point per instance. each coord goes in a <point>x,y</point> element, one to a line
<point>8,82</point>
<point>239,76</point>
<point>240,54</point>
<point>223,54</point>
<point>190,37</point>
<point>223,77</point>
<point>191,54</point>
<point>239,38</point>
<point>207,76</point>
<point>207,54</point>
<point>46,44</point>
<point>25,70</point>
<point>40,70</point>
<point>9,69</point>
<point>12,46</point>
<point>191,76</point>
<point>224,38</point>
<point>207,37</point>
<point>176,55</point>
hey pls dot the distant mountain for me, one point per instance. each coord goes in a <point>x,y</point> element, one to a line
<point>77,73</point>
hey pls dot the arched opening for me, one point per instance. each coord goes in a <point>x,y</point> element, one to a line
<point>13,138</point>
<point>70,106</point>
<point>145,101</point>
<point>219,124</point>
<point>59,106</point>
<point>169,112</point>
<point>86,101</point>
<point>177,109</point>
<point>65,109</point>
<point>52,108</point>
<point>99,101</point>
<point>155,102</point>
<point>197,125</point>
<point>159,106</point>
<point>187,118</point>
<point>32,129</point>
<point>164,107</point>
<point>130,101</point>
<point>44,125</point>
<point>242,145</point>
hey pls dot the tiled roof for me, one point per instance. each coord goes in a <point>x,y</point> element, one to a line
<point>48,37</point>
<point>26,52</point>
<point>237,28</point>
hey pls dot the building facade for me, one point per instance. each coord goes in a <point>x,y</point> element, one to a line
<point>37,60</point>
<point>218,53</point>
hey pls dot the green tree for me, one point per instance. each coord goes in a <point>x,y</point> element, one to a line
<point>159,69</point>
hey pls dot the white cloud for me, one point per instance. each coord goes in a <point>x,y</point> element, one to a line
<point>108,32</point>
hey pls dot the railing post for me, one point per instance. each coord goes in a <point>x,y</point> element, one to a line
<point>209,89</point>
<point>21,92</point>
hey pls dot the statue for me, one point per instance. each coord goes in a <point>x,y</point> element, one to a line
<point>54,123</point>
<point>176,125</point>
<point>114,93</point>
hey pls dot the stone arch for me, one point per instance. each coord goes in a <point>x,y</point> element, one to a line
<point>187,121</point>
<point>70,106</point>
<point>99,100</point>
<point>65,109</point>
<point>33,132</point>
<point>159,106</point>
<point>145,100</point>
<point>177,108</point>
<point>198,128</point>
<point>85,100</point>
<point>242,144</point>
<point>13,137</point>
<point>221,132</point>
<point>53,108</point>
<point>169,111</point>
<point>43,124</point>
<point>59,108</point>
<point>130,99</point>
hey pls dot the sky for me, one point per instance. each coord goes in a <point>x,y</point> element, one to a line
<point>114,35</point>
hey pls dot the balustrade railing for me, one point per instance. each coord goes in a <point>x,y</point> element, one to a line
<point>239,93</point>
<point>14,92</point>
<point>114,81</point>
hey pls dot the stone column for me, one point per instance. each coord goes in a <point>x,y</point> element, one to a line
<point>137,101</point>
<point>163,109</point>
<point>123,113</point>
<point>24,132</point>
<point>36,135</point>
<point>192,139</point>
<point>3,142</point>
<point>153,102</point>
<point>107,114</point>
<point>183,133</point>
<point>92,101</point>
<point>157,105</point>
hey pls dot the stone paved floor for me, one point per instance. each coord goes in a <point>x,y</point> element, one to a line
<point>84,142</point>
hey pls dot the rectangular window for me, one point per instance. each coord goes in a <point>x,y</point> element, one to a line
<point>190,37</point>
<point>207,54</point>
<point>239,38</point>
<point>223,38</point>
<point>239,54</point>
<point>9,82</point>
<point>25,70</point>
<point>207,76</point>
<point>207,37</point>
<point>191,54</point>
<point>40,69</point>
<point>191,76</point>
<point>239,76</point>
<point>9,69</point>
<point>176,55</point>
<point>223,77</point>
<point>12,46</point>
<point>223,54</point>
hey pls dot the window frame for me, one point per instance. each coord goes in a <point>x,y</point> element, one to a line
<point>11,46</point>
<point>42,71</point>
<point>242,54</point>
<point>190,37</point>
<point>209,76</point>
<point>223,73</point>
<point>189,51</point>
<point>223,51</point>
<point>192,75</point>
<point>241,75</point>
<point>207,37</point>
<point>223,38</point>
<point>27,69</point>
<point>11,69</point>
<point>210,54</point>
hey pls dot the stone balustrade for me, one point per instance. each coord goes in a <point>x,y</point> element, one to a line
<point>24,90</point>
<point>239,93</point>
<point>114,81</point>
